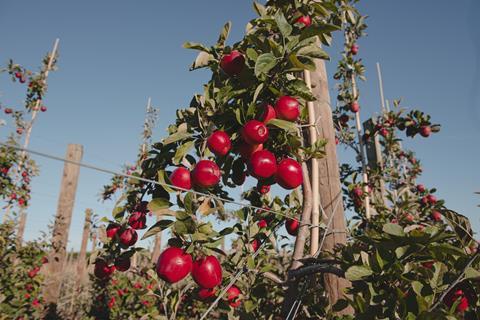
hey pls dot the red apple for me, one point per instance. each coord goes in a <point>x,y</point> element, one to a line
<point>138,220</point>
<point>18,75</point>
<point>289,174</point>
<point>102,269</point>
<point>436,216</point>
<point>292,226</point>
<point>263,188</point>
<point>8,110</point>
<point>254,132</point>
<point>207,272</point>
<point>255,244</point>
<point>19,130</point>
<point>233,294</point>
<point>206,294</point>
<point>219,143</point>
<point>122,264</point>
<point>421,188</point>
<point>246,150</point>
<point>268,114</point>
<point>428,264</point>
<point>287,108</point>
<point>354,107</point>
<point>384,132</point>
<point>354,49</point>
<point>180,178</point>
<point>128,237</point>
<point>432,199</point>
<point>305,20</point>
<point>425,131</point>
<point>112,230</point>
<point>262,164</point>
<point>357,191</point>
<point>232,63</point>
<point>206,174</point>
<point>174,264</point>
<point>262,224</point>
<point>43,108</point>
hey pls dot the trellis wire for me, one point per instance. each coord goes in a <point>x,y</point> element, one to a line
<point>111,172</point>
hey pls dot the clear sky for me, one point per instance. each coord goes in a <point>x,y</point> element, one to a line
<point>115,54</point>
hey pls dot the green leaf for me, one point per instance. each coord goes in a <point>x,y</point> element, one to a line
<point>299,88</point>
<point>393,229</point>
<point>182,151</point>
<point>157,227</point>
<point>250,263</point>
<point>460,224</point>
<point>203,60</point>
<point>283,25</point>
<point>313,51</point>
<point>471,273</point>
<point>257,92</point>
<point>259,8</point>
<point>188,203</point>
<point>206,228</point>
<point>318,30</point>
<point>283,124</point>
<point>158,204</point>
<point>196,46</point>
<point>264,64</point>
<point>162,179</point>
<point>355,273</point>
<point>224,34</point>
<point>176,137</point>
<point>118,212</point>
<point>301,62</point>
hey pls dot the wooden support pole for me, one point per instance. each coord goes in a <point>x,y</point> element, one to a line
<point>315,230</point>
<point>61,227</point>
<point>330,188</point>
<point>82,257</point>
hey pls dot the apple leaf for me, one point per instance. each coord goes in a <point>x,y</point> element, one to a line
<point>283,124</point>
<point>299,88</point>
<point>196,46</point>
<point>355,273</point>
<point>264,64</point>
<point>158,204</point>
<point>283,25</point>
<point>176,137</point>
<point>157,227</point>
<point>393,229</point>
<point>224,34</point>
<point>259,8</point>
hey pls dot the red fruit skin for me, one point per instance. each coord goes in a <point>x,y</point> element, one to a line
<point>43,108</point>
<point>432,199</point>
<point>18,75</point>
<point>246,150</point>
<point>354,107</point>
<point>232,63</point>
<point>232,296</point>
<point>453,297</point>
<point>262,164</point>
<point>128,237</point>
<point>384,132</point>
<point>180,178</point>
<point>112,230</point>
<point>219,143</point>
<point>174,264</point>
<point>428,264</point>
<point>421,188</point>
<point>409,217</point>
<point>255,244</point>
<point>436,216</point>
<point>103,270</point>
<point>8,111</point>
<point>263,188</point>
<point>287,108</point>
<point>254,132</point>
<point>33,273</point>
<point>138,220</point>
<point>262,223</point>
<point>358,192</point>
<point>207,272</point>
<point>425,131</point>
<point>289,174</point>
<point>305,20</point>
<point>206,294</point>
<point>206,174</point>
<point>354,49</point>
<point>292,226</point>
<point>122,264</point>
<point>268,114</point>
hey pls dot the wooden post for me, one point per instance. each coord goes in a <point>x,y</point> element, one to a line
<point>375,156</point>
<point>315,181</point>
<point>82,257</point>
<point>330,188</point>
<point>61,227</point>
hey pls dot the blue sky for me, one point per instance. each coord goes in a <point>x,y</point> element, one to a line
<point>113,55</point>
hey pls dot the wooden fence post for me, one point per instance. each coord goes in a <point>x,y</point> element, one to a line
<point>82,257</point>
<point>330,187</point>
<point>61,228</point>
